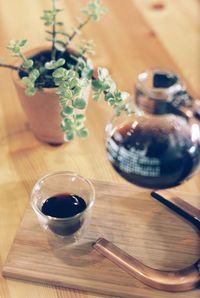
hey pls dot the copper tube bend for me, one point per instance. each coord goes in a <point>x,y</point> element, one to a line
<point>174,281</point>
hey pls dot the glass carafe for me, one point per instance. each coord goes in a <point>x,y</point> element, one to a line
<point>158,145</point>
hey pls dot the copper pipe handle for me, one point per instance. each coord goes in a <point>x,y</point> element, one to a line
<point>173,281</point>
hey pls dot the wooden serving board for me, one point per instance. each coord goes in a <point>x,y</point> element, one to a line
<point>128,217</point>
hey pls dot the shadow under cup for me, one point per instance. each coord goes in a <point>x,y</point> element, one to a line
<point>67,229</point>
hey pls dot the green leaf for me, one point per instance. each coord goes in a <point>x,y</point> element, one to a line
<point>94,10</point>
<point>72,73</point>
<point>68,93</point>
<point>62,100</point>
<point>79,103</point>
<point>79,125</point>
<point>94,17</point>
<point>58,82</point>
<point>49,32</point>
<point>124,95</point>
<point>83,132</point>
<point>69,136</point>
<point>27,64</point>
<point>81,64</point>
<point>80,117</point>
<point>60,46</point>
<point>34,74</point>
<point>66,124</point>
<point>54,64</point>
<point>117,112</point>
<point>22,42</point>
<point>76,91</point>
<point>26,81</point>
<point>96,84</point>
<point>68,110</point>
<point>16,50</point>
<point>59,23</point>
<point>62,33</point>
<point>84,82</point>
<point>87,73</point>
<point>58,10</point>
<point>60,62</point>
<point>60,42</point>
<point>64,85</point>
<point>111,102</point>
<point>50,39</point>
<point>60,73</point>
<point>15,46</point>
<point>102,73</point>
<point>112,85</point>
<point>30,91</point>
<point>73,83</point>
<point>49,17</point>
<point>96,96</point>
<point>109,96</point>
<point>42,69</point>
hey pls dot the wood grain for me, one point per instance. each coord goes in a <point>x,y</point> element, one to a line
<point>177,20</point>
<point>132,220</point>
<point>128,41</point>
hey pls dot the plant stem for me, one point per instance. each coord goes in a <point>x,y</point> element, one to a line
<point>10,66</point>
<point>75,32</point>
<point>53,51</point>
<point>22,57</point>
<point>58,32</point>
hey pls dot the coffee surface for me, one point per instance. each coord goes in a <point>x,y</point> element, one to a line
<point>63,205</point>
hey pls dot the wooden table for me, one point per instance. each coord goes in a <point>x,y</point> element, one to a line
<point>135,35</point>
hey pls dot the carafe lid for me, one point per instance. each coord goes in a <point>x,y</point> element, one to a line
<point>163,92</point>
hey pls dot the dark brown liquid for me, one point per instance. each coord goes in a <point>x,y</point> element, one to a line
<point>64,206</point>
<point>154,155</point>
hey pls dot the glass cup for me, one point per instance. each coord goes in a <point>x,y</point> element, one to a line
<point>69,229</point>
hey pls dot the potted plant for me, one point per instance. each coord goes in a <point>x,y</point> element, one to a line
<point>53,83</point>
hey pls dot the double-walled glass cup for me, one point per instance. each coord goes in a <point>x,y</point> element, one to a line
<point>68,229</point>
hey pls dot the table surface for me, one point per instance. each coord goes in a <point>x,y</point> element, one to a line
<point>135,35</point>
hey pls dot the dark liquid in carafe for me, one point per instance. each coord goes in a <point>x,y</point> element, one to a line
<point>153,156</point>
<point>64,206</point>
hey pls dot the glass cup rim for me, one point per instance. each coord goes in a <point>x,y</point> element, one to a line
<point>68,173</point>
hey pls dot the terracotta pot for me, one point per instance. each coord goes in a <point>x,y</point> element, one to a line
<point>42,109</point>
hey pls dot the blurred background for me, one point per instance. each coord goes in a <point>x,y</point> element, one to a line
<point>134,35</point>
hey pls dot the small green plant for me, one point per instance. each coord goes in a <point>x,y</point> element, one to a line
<point>67,72</point>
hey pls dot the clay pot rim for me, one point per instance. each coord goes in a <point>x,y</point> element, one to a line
<point>30,53</point>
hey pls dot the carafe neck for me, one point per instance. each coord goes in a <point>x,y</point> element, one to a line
<point>161,92</point>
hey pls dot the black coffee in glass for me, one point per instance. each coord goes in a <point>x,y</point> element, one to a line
<point>67,208</point>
